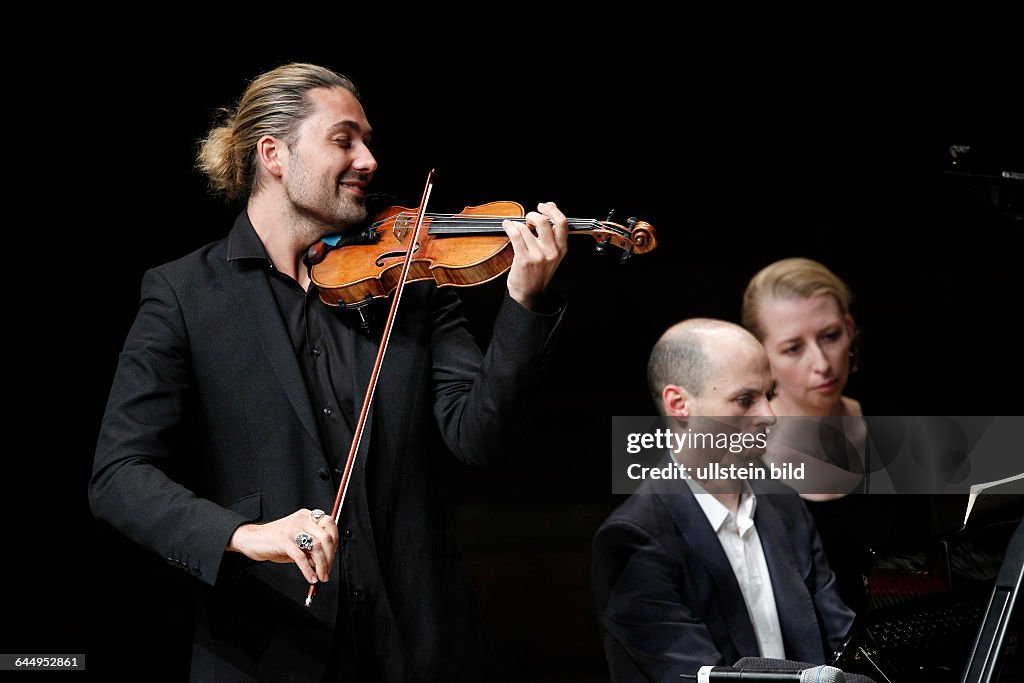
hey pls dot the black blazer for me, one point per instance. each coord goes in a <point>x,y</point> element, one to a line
<point>209,425</point>
<point>668,601</point>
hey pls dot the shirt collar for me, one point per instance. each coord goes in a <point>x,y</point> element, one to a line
<point>243,242</point>
<point>716,512</point>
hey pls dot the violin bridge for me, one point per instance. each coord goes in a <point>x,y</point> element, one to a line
<point>403,224</point>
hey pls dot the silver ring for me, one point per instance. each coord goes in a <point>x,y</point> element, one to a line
<point>315,515</point>
<point>304,541</point>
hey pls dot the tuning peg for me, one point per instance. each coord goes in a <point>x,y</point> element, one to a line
<point>605,246</point>
<point>611,213</point>
<point>631,222</point>
<point>626,254</point>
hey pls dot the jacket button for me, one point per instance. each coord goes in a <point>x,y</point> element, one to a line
<point>357,594</point>
<point>347,533</point>
<point>323,473</point>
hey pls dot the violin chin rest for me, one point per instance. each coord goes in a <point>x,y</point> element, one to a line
<point>315,254</point>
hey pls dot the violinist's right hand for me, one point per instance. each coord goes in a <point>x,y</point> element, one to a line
<point>275,542</point>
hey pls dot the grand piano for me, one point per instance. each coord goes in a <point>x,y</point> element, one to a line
<point>949,611</point>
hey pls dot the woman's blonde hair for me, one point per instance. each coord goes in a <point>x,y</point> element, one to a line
<point>792,278</point>
<point>275,103</point>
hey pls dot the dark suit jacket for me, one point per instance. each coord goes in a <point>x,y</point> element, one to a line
<point>668,600</point>
<point>209,425</point>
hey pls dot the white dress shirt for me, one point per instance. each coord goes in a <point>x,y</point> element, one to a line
<point>742,546</point>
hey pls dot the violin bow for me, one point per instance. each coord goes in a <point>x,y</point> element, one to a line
<point>357,436</point>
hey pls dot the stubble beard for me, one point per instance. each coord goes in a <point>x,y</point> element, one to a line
<point>316,211</point>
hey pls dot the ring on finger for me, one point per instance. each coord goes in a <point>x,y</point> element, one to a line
<point>304,541</point>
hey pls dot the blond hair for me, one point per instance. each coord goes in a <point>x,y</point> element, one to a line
<point>275,103</point>
<point>792,278</point>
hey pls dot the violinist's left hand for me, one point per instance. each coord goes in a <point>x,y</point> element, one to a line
<point>536,256</point>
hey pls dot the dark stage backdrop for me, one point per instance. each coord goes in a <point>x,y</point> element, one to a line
<point>735,167</point>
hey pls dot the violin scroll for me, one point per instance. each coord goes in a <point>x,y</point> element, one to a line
<point>644,237</point>
<point>636,237</point>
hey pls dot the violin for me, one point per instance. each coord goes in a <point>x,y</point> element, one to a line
<point>454,250</point>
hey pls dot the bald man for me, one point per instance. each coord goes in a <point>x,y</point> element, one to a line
<point>696,572</point>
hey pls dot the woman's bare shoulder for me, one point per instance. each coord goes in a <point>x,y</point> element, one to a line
<point>851,406</point>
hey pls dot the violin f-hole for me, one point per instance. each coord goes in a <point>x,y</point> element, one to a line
<point>394,254</point>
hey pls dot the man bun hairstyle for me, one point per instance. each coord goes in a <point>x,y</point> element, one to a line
<point>275,103</point>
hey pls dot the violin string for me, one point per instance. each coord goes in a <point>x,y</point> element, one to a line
<point>453,227</point>
<point>466,217</point>
<point>457,220</point>
<point>572,224</point>
<point>457,223</point>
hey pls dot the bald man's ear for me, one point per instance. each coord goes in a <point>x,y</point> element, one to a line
<point>676,401</point>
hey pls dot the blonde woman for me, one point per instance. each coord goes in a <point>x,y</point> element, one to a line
<point>800,311</point>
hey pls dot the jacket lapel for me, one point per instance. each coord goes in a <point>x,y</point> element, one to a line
<point>693,524</point>
<point>258,314</point>
<point>362,350</point>
<point>799,621</point>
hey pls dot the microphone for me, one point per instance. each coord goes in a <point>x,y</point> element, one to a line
<point>814,674</point>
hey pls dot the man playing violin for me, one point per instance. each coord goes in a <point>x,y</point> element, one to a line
<point>236,395</point>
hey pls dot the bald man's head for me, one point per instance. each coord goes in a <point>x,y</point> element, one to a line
<point>689,352</point>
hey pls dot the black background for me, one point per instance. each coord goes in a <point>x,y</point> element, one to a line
<point>735,166</point>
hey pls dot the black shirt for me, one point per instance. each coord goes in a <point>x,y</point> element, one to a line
<point>316,333</point>
<point>366,630</point>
